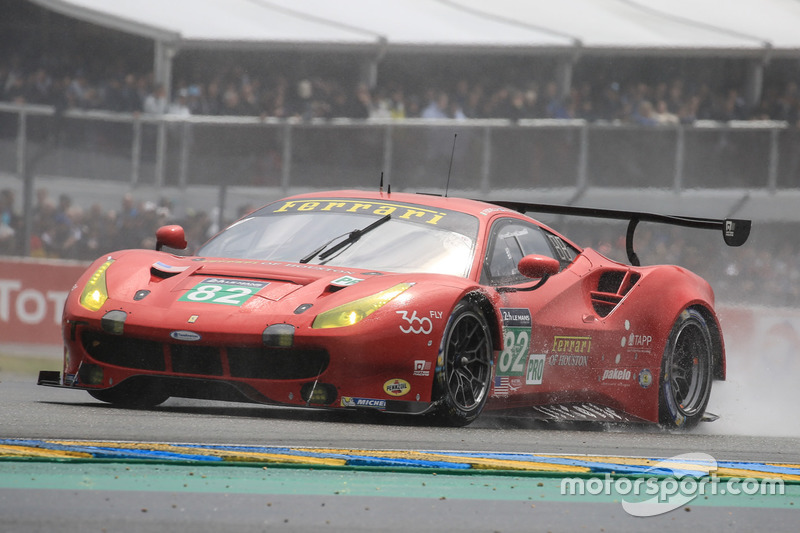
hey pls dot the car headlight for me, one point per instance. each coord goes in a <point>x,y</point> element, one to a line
<point>356,311</point>
<point>95,293</point>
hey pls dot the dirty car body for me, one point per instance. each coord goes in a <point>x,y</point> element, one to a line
<point>395,302</point>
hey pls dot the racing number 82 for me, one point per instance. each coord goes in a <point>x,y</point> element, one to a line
<point>211,294</point>
<point>515,348</point>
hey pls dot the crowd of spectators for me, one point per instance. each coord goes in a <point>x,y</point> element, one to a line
<point>757,273</point>
<point>235,91</point>
<point>61,229</point>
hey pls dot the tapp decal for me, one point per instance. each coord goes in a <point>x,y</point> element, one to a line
<point>635,342</point>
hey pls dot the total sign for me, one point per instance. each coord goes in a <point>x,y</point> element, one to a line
<point>32,296</point>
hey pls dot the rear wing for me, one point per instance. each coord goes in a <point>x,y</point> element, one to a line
<point>734,231</point>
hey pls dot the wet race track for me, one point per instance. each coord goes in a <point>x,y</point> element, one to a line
<point>204,466</point>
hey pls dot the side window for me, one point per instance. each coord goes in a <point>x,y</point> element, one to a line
<point>509,241</point>
<point>565,253</point>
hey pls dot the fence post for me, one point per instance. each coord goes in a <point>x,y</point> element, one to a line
<point>136,150</point>
<point>583,158</point>
<point>486,163</point>
<point>286,167</point>
<point>161,153</point>
<point>774,157</point>
<point>388,152</point>
<point>22,143</point>
<point>27,182</point>
<point>680,157</point>
<point>183,170</point>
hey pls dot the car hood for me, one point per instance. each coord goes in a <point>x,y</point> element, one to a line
<point>163,291</point>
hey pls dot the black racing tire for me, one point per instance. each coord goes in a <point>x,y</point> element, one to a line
<point>132,393</point>
<point>464,371</point>
<point>686,372</point>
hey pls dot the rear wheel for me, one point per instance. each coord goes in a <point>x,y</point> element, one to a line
<point>464,375</point>
<point>132,393</point>
<point>686,372</point>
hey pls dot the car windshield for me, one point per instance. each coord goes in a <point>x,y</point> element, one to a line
<point>411,239</point>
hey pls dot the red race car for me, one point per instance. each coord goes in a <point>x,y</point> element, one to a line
<point>403,303</point>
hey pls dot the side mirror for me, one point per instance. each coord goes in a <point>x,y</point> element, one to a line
<point>170,236</point>
<point>538,266</point>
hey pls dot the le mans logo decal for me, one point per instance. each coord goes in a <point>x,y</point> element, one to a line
<point>223,291</point>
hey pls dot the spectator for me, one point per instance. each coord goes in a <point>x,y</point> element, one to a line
<point>663,116</point>
<point>438,106</point>
<point>10,224</point>
<point>156,102</point>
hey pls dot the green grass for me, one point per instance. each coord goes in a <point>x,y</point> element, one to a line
<point>26,365</point>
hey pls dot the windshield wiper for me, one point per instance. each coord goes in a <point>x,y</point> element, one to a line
<point>352,237</point>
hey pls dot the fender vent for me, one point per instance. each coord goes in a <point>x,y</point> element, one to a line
<point>611,289</point>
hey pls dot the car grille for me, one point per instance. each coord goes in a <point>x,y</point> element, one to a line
<point>251,363</point>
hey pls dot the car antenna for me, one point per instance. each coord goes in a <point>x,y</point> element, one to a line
<point>449,170</point>
<point>388,186</point>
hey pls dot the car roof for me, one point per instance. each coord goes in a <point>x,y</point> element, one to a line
<point>464,205</point>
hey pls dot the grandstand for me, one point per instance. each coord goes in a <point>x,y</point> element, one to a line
<point>674,106</point>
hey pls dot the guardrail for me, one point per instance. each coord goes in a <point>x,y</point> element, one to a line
<point>177,151</point>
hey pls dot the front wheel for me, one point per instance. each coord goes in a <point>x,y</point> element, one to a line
<point>464,373</point>
<point>686,372</point>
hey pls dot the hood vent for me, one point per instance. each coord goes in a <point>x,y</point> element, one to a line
<point>164,271</point>
<point>611,289</point>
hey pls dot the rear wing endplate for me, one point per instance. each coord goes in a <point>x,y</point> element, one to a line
<point>734,231</point>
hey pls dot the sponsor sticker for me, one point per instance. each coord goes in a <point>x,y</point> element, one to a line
<point>351,401</point>
<point>342,205</point>
<point>223,291</point>
<point>346,281</point>
<point>396,387</point>
<point>416,324</point>
<point>645,378</point>
<point>183,335</point>
<point>422,368</point>
<point>516,341</point>
<point>616,374</point>
<point>569,360</point>
<point>635,342</point>
<point>571,345</point>
<point>535,371</point>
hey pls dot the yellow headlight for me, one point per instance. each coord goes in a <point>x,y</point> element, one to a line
<point>354,312</point>
<point>95,293</point>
